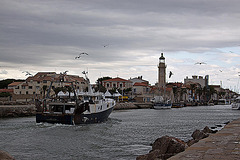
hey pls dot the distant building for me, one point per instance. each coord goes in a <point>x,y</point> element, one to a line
<point>36,86</point>
<point>141,88</point>
<point>138,79</point>
<point>117,83</point>
<point>200,80</point>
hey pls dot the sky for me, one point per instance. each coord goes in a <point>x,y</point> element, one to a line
<point>122,38</point>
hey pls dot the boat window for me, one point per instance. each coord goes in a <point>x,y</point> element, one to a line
<point>56,108</point>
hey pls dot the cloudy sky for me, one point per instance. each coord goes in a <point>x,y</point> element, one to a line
<point>122,38</point>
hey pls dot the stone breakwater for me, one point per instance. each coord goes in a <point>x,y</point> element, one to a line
<point>5,156</point>
<point>17,110</point>
<point>165,147</point>
<point>120,106</point>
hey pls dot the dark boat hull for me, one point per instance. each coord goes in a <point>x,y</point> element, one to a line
<point>74,119</point>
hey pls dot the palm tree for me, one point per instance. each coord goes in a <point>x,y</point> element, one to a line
<point>182,92</point>
<point>193,88</point>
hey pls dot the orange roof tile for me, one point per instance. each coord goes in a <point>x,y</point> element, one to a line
<point>116,80</point>
<point>140,84</point>
<point>14,84</point>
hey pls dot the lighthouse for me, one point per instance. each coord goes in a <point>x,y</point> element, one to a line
<point>161,72</point>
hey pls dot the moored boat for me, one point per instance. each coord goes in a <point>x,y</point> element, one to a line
<point>159,103</point>
<point>236,105</point>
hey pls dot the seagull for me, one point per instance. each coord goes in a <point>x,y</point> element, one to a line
<point>65,72</point>
<point>80,55</point>
<point>170,74</point>
<point>105,45</point>
<point>27,73</point>
<point>200,63</point>
<point>220,70</point>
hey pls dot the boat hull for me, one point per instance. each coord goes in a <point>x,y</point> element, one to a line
<point>236,106</point>
<point>74,118</point>
<point>162,106</point>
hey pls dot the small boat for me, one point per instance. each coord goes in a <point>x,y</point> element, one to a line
<point>178,105</point>
<point>236,105</point>
<point>84,108</point>
<point>159,103</point>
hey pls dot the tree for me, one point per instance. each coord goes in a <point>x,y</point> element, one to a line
<point>182,92</point>
<point>6,82</point>
<point>99,85</point>
<point>5,94</point>
<point>192,88</point>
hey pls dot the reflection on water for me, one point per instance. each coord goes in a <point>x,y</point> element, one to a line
<point>124,136</point>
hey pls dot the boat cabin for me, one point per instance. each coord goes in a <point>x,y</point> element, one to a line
<point>61,108</point>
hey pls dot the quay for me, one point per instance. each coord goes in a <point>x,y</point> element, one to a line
<point>223,145</point>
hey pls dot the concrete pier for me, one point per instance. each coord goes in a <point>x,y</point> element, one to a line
<point>222,145</point>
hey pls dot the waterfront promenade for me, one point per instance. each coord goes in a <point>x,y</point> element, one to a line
<point>222,145</point>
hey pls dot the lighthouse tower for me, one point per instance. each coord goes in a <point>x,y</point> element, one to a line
<point>161,72</point>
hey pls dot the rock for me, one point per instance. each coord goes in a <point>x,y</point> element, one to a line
<point>5,156</point>
<point>191,142</point>
<point>197,135</point>
<point>154,155</point>
<point>207,130</point>
<point>164,148</point>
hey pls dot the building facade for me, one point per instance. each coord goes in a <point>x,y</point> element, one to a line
<point>37,86</point>
<point>117,83</point>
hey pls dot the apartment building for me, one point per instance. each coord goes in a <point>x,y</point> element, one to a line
<point>37,86</point>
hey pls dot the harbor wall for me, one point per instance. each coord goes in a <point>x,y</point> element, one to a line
<point>17,110</point>
<point>130,105</point>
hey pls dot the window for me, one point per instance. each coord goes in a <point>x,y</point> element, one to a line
<point>147,89</point>
<point>26,92</point>
<point>29,87</point>
<point>134,90</point>
<point>107,85</point>
<point>44,81</point>
<point>114,85</point>
<point>121,85</point>
<point>23,87</point>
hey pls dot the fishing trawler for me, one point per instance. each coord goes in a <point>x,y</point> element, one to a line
<point>77,108</point>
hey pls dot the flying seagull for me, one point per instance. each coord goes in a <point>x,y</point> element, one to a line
<point>65,72</point>
<point>27,73</point>
<point>79,56</point>
<point>170,74</point>
<point>105,45</point>
<point>200,63</point>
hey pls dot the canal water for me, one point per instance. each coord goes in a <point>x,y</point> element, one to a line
<point>127,133</point>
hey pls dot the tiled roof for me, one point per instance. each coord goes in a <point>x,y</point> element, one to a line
<point>117,80</point>
<point>14,84</point>
<point>140,84</point>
